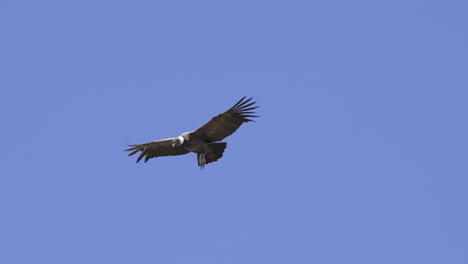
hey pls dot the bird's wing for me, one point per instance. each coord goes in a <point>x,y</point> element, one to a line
<point>223,125</point>
<point>156,149</point>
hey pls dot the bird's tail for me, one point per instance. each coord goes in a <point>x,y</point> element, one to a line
<point>216,152</point>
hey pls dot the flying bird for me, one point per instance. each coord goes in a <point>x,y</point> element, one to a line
<point>204,140</point>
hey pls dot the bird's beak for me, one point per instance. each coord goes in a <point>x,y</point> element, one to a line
<point>175,142</point>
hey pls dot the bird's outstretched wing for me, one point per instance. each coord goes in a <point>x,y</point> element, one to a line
<point>223,125</point>
<point>156,149</point>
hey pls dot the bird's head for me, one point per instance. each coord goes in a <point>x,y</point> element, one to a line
<point>178,141</point>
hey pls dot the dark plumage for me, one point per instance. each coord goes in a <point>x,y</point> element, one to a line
<point>202,141</point>
<point>155,149</point>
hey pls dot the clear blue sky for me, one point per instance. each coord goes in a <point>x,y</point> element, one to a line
<point>360,154</point>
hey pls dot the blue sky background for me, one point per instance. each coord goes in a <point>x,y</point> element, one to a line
<point>360,154</point>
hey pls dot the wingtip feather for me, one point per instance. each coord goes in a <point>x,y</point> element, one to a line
<point>141,156</point>
<point>239,102</point>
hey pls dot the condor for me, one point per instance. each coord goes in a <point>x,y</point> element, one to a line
<point>204,140</point>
